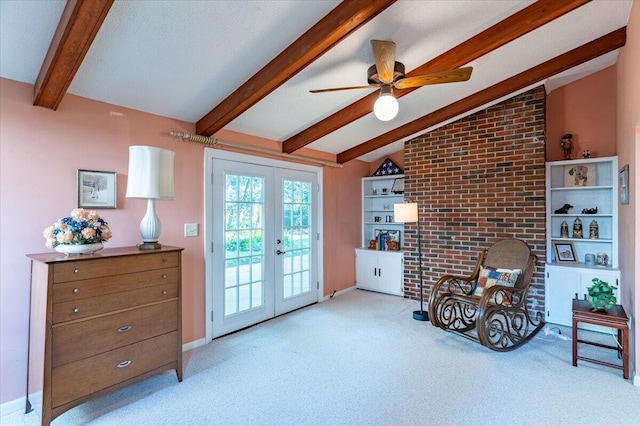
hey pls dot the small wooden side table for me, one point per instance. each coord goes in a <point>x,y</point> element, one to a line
<point>615,317</point>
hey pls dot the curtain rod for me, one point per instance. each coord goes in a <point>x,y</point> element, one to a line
<point>217,143</point>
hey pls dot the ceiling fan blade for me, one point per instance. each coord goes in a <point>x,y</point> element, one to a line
<point>336,89</point>
<point>384,53</point>
<point>449,76</point>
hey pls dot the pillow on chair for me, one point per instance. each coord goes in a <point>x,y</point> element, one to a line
<point>495,276</point>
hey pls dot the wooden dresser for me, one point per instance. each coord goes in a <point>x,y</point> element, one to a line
<point>99,322</point>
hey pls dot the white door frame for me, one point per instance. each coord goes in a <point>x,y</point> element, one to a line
<point>209,155</point>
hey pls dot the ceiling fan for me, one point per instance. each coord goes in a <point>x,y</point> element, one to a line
<point>387,74</point>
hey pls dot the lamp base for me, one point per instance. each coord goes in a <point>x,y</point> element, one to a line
<point>149,246</point>
<point>421,315</point>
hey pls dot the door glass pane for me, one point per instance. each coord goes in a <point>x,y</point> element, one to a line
<point>244,245</point>
<point>296,229</point>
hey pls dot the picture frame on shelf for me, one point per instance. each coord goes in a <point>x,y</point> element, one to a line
<point>580,175</point>
<point>398,186</point>
<point>565,251</point>
<point>624,184</point>
<point>97,189</point>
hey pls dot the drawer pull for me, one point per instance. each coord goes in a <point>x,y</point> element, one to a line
<point>76,290</point>
<point>164,292</point>
<point>164,276</point>
<point>124,329</point>
<point>75,271</point>
<point>123,364</point>
<point>76,310</point>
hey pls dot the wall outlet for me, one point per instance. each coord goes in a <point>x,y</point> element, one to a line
<point>190,229</point>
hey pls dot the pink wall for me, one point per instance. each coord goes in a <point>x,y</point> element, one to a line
<point>40,151</point>
<point>627,144</point>
<point>587,109</point>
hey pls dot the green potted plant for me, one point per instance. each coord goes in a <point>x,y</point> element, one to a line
<point>601,295</point>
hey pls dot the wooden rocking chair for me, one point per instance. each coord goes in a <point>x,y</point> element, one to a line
<point>490,306</point>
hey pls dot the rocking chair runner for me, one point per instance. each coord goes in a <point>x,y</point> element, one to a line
<point>490,306</point>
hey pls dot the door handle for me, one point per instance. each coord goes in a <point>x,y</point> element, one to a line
<point>279,252</point>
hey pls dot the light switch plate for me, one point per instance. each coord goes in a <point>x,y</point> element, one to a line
<point>190,229</point>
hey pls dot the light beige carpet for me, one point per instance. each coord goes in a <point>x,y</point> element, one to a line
<point>360,359</point>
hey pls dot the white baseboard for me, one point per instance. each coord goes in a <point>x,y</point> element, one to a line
<point>11,407</point>
<point>337,293</point>
<point>194,344</point>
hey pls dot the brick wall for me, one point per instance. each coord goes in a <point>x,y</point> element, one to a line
<point>477,180</point>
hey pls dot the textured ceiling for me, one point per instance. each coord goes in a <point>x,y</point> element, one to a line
<point>182,58</point>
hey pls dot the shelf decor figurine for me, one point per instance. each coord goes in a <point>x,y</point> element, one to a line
<point>564,209</point>
<point>567,146</point>
<point>577,228</point>
<point>564,229</point>
<point>593,230</point>
<point>590,211</point>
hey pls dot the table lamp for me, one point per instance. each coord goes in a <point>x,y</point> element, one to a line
<point>150,177</point>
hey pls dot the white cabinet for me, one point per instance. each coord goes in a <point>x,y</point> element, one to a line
<point>381,271</point>
<point>585,185</point>
<point>376,269</point>
<point>564,283</point>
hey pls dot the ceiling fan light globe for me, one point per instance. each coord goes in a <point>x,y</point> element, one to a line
<point>386,107</point>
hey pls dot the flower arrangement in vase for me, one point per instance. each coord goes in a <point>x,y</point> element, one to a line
<point>81,232</point>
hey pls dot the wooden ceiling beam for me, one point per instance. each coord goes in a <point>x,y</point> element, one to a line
<point>78,26</point>
<point>575,57</point>
<point>347,17</point>
<point>517,25</point>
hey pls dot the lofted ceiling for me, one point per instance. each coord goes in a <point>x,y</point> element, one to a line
<point>248,66</point>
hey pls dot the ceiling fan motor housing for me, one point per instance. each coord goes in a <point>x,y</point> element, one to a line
<point>372,73</point>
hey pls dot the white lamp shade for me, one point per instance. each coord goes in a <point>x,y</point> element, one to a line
<point>386,107</point>
<point>150,173</point>
<point>405,212</point>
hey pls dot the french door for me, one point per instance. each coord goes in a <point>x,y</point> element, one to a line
<point>264,242</point>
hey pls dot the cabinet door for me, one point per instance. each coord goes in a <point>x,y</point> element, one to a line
<point>391,269</point>
<point>610,277</point>
<point>561,287</point>
<point>367,269</point>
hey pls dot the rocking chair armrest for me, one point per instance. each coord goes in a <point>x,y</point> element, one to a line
<point>453,281</point>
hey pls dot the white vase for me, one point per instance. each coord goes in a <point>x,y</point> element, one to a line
<point>78,248</point>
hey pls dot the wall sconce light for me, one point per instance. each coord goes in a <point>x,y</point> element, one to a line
<point>386,106</point>
<point>407,213</point>
<point>150,177</point>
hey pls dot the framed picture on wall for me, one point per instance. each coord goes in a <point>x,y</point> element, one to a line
<point>624,185</point>
<point>565,252</point>
<point>97,190</point>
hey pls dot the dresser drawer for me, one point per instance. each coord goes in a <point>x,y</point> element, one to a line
<point>83,339</point>
<point>82,308</point>
<point>84,377</point>
<point>83,269</point>
<point>74,290</point>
